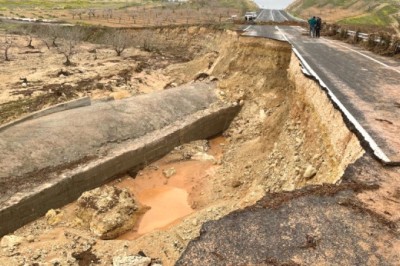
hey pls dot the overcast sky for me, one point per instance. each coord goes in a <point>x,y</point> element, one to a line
<point>273,4</point>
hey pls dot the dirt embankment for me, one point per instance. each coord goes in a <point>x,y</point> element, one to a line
<point>35,78</point>
<point>287,136</point>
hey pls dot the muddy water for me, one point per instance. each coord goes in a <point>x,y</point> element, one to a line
<point>168,199</point>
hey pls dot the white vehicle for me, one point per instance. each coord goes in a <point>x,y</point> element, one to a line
<point>250,16</point>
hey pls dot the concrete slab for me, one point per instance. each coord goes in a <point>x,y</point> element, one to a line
<point>50,161</point>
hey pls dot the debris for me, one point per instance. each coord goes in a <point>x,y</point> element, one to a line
<point>202,156</point>
<point>11,241</point>
<point>108,211</point>
<point>310,172</point>
<point>169,172</point>
<point>131,261</point>
<point>54,216</point>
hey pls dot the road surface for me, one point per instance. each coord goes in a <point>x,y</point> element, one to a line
<point>273,4</point>
<point>363,85</point>
<point>275,15</point>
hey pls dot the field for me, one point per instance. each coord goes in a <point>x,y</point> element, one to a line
<point>127,13</point>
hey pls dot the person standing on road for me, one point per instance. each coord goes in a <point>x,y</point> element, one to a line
<point>312,22</point>
<point>318,27</point>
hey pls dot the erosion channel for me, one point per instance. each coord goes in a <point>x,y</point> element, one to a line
<point>286,136</point>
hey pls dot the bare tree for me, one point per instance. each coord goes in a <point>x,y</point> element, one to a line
<point>91,12</point>
<point>148,40</point>
<point>70,38</point>
<point>49,35</point>
<point>5,45</point>
<point>77,12</point>
<point>107,13</point>
<point>74,13</point>
<point>28,32</point>
<point>119,40</point>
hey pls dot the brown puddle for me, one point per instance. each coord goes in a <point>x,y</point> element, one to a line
<point>168,198</point>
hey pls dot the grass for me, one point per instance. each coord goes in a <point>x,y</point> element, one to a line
<point>380,17</point>
<point>321,3</point>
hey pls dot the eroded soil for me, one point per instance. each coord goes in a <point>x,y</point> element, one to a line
<point>287,137</point>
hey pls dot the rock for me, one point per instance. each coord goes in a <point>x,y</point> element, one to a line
<point>54,216</point>
<point>212,78</point>
<point>131,261</point>
<point>30,238</point>
<point>120,94</point>
<point>202,156</point>
<point>262,115</point>
<point>169,172</point>
<point>201,76</point>
<point>316,157</point>
<point>108,211</point>
<point>24,85</point>
<point>37,93</point>
<point>11,241</point>
<point>57,261</point>
<point>310,172</point>
<point>236,183</point>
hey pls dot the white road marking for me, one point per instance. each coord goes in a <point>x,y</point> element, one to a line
<point>246,28</point>
<point>283,34</point>
<point>308,70</point>
<point>262,10</point>
<point>366,56</point>
<point>272,15</point>
<point>280,13</point>
<point>374,146</point>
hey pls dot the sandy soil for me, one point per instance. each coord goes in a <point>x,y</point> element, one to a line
<point>36,78</point>
<point>135,16</point>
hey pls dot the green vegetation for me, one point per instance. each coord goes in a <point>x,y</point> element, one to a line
<point>321,3</point>
<point>379,17</point>
<point>365,12</point>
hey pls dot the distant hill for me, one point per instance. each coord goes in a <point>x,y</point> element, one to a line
<point>378,13</point>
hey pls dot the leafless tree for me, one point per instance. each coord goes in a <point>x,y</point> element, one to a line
<point>91,12</point>
<point>107,13</point>
<point>148,40</point>
<point>119,40</point>
<point>5,45</point>
<point>77,12</point>
<point>28,32</point>
<point>49,35</point>
<point>74,13</point>
<point>70,38</point>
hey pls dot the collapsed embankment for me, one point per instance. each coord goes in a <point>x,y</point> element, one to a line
<point>286,136</point>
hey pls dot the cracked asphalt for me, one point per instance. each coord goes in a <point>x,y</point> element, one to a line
<point>367,85</point>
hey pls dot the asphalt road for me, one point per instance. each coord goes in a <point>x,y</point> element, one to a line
<point>365,86</point>
<point>276,15</point>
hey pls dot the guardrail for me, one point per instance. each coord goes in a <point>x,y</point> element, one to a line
<point>364,36</point>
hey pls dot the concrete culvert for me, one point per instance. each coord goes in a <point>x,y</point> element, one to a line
<point>286,136</point>
<point>63,154</point>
